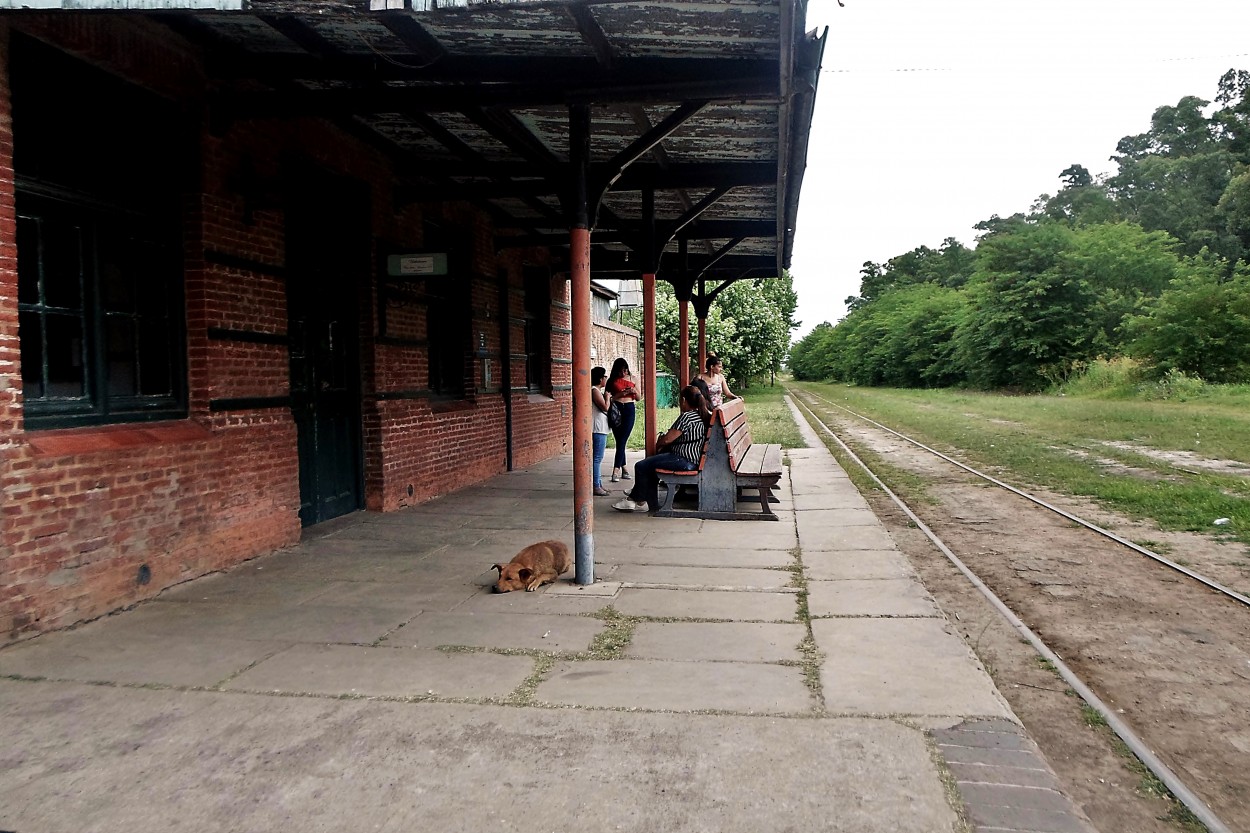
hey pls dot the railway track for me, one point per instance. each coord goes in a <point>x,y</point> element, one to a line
<point>1155,647</point>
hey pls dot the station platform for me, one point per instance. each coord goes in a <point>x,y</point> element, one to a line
<point>728,676</point>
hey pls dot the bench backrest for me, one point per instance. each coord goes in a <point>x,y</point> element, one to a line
<point>731,416</point>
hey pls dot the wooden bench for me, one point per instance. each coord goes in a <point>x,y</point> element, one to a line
<point>730,463</point>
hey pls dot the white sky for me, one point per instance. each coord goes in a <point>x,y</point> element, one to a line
<point>933,115</point>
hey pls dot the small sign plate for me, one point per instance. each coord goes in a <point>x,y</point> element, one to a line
<point>417,264</point>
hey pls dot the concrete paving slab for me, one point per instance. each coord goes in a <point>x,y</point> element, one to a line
<point>643,529</point>
<point>858,564</point>
<point>705,577</point>
<point>387,538</point>
<point>332,623</point>
<point>496,547</point>
<point>832,482</point>
<point>406,591</point>
<point>295,623</point>
<point>701,557</point>
<point>551,521</point>
<point>688,604</point>
<point>817,521</point>
<point>771,535</point>
<point>215,620</point>
<point>849,538</point>
<point>717,641</point>
<point>258,589</point>
<point>475,504</point>
<point>902,667</point>
<point>974,773</point>
<point>345,566</point>
<point>600,587</point>
<point>870,597</point>
<point>537,632</point>
<point>540,601</point>
<point>97,655</point>
<point>255,764</point>
<point>433,515</point>
<point>355,670</point>
<point>838,498</point>
<point>678,686</point>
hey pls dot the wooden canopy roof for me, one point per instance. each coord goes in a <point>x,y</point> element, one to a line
<point>699,110</point>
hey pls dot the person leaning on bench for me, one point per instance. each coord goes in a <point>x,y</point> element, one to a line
<point>678,449</point>
<point>713,379</point>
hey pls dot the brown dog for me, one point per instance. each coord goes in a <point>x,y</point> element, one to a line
<point>534,566</point>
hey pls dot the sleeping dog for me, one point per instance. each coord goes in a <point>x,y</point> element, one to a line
<point>534,566</point>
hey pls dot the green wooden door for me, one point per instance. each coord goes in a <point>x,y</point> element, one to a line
<point>327,258</point>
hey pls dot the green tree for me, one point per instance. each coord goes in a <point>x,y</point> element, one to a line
<point>748,326</point>
<point>810,358</point>
<point>1232,120</point>
<point>1199,326</point>
<point>1024,310</point>
<point>1081,201</point>
<point>1172,177</point>
<point>761,331</point>
<point>905,339</point>
<point>949,265</point>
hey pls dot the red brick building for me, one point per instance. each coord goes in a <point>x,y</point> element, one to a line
<point>256,273</point>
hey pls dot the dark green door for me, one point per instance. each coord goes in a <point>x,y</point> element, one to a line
<point>327,256</point>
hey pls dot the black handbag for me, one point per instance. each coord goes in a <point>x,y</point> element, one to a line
<point>614,415</point>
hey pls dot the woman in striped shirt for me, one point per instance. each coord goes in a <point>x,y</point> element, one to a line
<point>678,449</point>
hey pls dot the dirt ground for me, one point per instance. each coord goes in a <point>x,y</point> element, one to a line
<point>1172,656</point>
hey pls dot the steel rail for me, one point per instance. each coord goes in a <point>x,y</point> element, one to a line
<point>1122,730</point>
<point>1180,568</point>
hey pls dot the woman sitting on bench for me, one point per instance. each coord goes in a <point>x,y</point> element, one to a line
<point>678,449</point>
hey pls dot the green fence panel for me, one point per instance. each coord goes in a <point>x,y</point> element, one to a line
<point>666,391</point>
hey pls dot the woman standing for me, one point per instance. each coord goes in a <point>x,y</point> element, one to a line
<point>714,376</point>
<point>678,449</point>
<point>625,393</point>
<point>599,381</point>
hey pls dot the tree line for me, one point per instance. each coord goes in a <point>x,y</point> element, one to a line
<point>1150,262</point>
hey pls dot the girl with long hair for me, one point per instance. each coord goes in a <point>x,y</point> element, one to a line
<point>625,393</point>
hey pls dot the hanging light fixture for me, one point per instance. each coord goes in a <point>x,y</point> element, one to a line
<point>629,295</point>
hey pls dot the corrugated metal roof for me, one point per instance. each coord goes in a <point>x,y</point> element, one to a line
<point>474,97</point>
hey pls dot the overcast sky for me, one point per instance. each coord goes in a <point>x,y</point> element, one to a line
<point>933,115</point>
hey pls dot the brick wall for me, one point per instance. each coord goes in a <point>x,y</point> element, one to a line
<point>610,341</point>
<point>100,518</point>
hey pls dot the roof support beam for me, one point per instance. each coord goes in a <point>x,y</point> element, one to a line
<point>425,47</point>
<point>457,97</point>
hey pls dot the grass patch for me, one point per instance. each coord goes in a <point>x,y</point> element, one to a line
<point>1061,443</point>
<point>523,695</point>
<point>617,633</point>
<point>1092,717</point>
<point>810,654</point>
<point>1178,814</point>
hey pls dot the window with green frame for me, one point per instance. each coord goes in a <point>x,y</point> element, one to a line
<point>97,317</point>
<point>99,253</point>
<point>537,332</point>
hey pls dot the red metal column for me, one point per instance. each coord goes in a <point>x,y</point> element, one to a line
<point>583,457</point>
<point>579,278</point>
<point>702,343</point>
<point>648,358</point>
<point>683,338</point>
